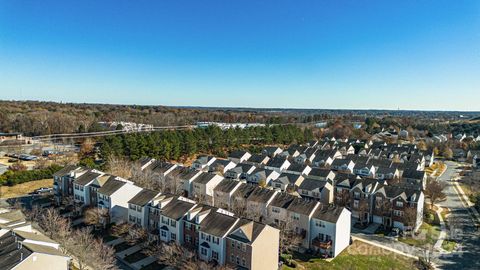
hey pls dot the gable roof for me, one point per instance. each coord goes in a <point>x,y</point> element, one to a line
<point>111,186</point>
<point>217,224</point>
<point>312,184</point>
<point>66,170</point>
<point>261,195</point>
<point>205,177</point>
<point>86,178</point>
<point>246,231</point>
<point>288,178</point>
<point>227,185</point>
<point>244,190</point>
<point>258,158</point>
<point>283,200</point>
<point>302,206</point>
<point>176,209</point>
<point>237,154</point>
<point>276,162</point>
<point>143,197</point>
<point>329,213</point>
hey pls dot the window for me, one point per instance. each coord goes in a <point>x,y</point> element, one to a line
<point>232,243</point>
<point>239,245</point>
<point>139,209</point>
<point>319,223</point>
<point>399,204</point>
<point>398,213</point>
<point>321,236</point>
<point>202,236</point>
<point>173,237</point>
<point>188,239</point>
<point>232,258</point>
<point>238,260</point>
<point>173,223</point>
<point>356,195</point>
<point>164,233</point>
<point>296,216</point>
<point>275,210</point>
<point>164,220</point>
<point>355,203</point>
<point>203,251</point>
<point>214,255</point>
<point>216,240</point>
<point>188,226</point>
<point>139,220</point>
<point>243,262</point>
<point>244,247</point>
<point>304,192</point>
<point>132,207</point>
<point>208,238</point>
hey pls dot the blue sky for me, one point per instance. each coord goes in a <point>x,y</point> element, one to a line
<point>277,53</point>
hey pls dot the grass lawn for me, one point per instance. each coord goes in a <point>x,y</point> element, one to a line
<point>357,256</point>
<point>135,257</point>
<point>428,234</point>
<point>24,188</point>
<point>449,245</point>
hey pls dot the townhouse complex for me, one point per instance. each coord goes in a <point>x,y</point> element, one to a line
<point>23,248</point>
<point>235,211</point>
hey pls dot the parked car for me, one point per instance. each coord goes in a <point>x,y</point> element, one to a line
<point>43,190</point>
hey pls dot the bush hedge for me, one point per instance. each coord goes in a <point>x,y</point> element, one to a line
<point>11,178</point>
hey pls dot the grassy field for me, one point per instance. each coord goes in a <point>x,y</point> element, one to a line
<point>428,235</point>
<point>358,256</point>
<point>4,161</point>
<point>24,189</point>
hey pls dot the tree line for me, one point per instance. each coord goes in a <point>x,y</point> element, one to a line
<point>175,145</point>
<point>14,177</point>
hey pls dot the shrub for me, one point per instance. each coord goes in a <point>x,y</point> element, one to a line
<point>12,178</point>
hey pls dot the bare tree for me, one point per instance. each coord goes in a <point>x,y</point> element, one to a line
<point>136,235</point>
<point>410,218</point>
<point>84,245</point>
<point>179,257</point>
<point>119,166</point>
<point>96,216</point>
<point>434,191</point>
<point>238,206</point>
<point>103,256</point>
<point>146,178</point>
<point>290,238</point>
<point>343,198</point>
<point>48,220</point>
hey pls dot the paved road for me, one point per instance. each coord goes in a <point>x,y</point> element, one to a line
<point>466,232</point>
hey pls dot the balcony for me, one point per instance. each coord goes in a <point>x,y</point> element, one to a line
<point>322,244</point>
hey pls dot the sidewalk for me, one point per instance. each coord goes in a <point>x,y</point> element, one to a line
<point>443,232</point>
<point>465,200</point>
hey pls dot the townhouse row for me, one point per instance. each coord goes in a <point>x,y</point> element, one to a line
<point>211,227</point>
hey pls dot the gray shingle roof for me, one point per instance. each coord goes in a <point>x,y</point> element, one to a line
<point>86,178</point>
<point>176,209</point>
<point>328,213</point>
<point>111,186</point>
<point>143,197</point>
<point>217,224</point>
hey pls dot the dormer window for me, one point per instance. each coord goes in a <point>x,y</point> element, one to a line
<point>399,204</point>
